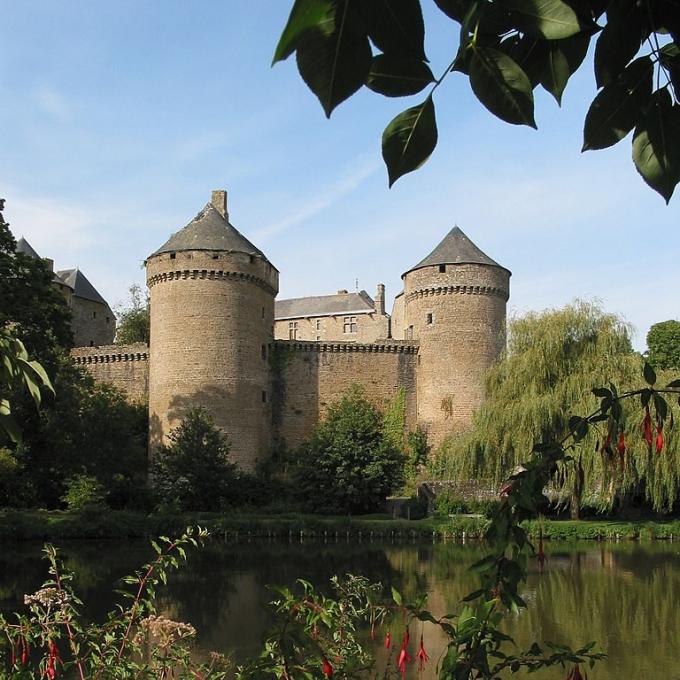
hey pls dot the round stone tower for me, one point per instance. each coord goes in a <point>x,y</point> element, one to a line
<point>455,308</point>
<point>212,319</point>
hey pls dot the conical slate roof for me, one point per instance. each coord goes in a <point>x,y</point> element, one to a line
<point>23,246</point>
<point>80,284</point>
<point>209,230</point>
<point>456,248</point>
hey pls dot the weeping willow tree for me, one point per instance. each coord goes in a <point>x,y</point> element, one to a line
<point>553,361</point>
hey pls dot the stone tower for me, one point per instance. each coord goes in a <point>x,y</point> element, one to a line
<point>212,318</point>
<point>454,306</point>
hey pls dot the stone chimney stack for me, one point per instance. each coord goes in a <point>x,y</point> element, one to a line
<point>380,299</point>
<point>219,202</point>
<point>49,262</point>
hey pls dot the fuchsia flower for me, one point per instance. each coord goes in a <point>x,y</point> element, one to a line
<point>404,656</point>
<point>647,427</point>
<point>422,656</point>
<point>327,668</point>
<point>388,640</point>
<point>621,447</point>
<point>575,674</point>
<point>659,437</point>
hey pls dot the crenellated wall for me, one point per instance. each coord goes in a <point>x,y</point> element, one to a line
<point>308,376</point>
<point>125,366</point>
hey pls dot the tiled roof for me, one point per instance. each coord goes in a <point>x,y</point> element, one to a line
<point>209,230</point>
<point>324,305</point>
<point>81,286</point>
<point>455,248</point>
<point>23,246</point>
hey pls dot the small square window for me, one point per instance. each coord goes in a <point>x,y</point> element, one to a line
<point>318,324</point>
<point>430,321</point>
<point>318,337</point>
<point>107,319</point>
<point>442,268</point>
<point>215,257</point>
<point>264,397</point>
<point>350,324</point>
<point>173,256</point>
<point>91,343</point>
<point>292,330</point>
<point>252,258</point>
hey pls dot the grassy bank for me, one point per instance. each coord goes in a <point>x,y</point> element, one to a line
<point>54,525</point>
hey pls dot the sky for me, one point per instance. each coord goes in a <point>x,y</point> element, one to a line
<point>118,119</point>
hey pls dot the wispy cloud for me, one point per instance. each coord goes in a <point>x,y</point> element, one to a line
<point>364,166</point>
<point>52,103</point>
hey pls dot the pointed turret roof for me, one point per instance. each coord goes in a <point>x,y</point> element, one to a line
<point>456,248</point>
<point>80,284</point>
<point>23,246</point>
<point>210,230</point>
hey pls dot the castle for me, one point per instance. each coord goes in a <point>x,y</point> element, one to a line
<point>266,370</point>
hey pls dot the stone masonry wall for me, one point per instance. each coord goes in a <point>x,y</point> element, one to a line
<point>369,328</point>
<point>309,376</point>
<point>125,366</point>
<point>93,323</point>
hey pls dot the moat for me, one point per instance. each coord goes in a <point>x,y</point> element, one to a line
<point>624,595</point>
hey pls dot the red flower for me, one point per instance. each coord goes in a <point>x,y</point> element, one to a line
<point>621,447</point>
<point>327,668</point>
<point>24,651</point>
<point>388,640</point>
<point>659,438</point>
<point>505,491</point>
<point>575,674</point>
<point>403,659</point>
<point>422,655</point>
<point>647,427</point>
<point>52,659</point>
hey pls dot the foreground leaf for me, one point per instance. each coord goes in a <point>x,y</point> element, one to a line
<point>398,77</point>
<point>656,145</point>
<point>305,15</point>
<point>409,139</point>
<point>502,86</point>
<point>396,27</point>
<point>549,19</point>
<point>335,65</point>
<point>618,107</point>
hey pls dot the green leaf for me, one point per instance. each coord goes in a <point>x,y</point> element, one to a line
<point>656,145</point>
<point>549,19</point>
<point>619,41</point>
<point>670,59</point>
<point>650,375</point>
<point>42,375</point>
<point>556,71</point>
<point>502,86</point>
<point>409,139</point>
<point>529,53</point>
<point>398,77</point>
<point>396,27</point>
<point>601,392</point>
<point>396,596</point>
<point>305,15</point>
<point>674,384</point>
<point>617,108</point>
<point>10,426</point>
<point>335,65</point>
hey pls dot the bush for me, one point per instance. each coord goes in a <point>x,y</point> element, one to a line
<point>194,472</point>
<point>83,492</point>
<point>348,465</point>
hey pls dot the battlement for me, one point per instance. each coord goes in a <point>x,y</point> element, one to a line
<point>210,274</point>
<point>110,354</point>
<point>458,290</point>
<point>387,346</point>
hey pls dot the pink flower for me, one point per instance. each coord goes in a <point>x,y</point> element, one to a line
<point>659,438</point>
<point>388,640</point>
<point>422,655</point>
<point>327,668</point>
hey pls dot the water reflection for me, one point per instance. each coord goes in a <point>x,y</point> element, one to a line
<point>625,595</point>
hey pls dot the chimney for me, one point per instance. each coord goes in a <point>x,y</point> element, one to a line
<point>380,299</point>
<point>219,202</point>
<point>49,263</point>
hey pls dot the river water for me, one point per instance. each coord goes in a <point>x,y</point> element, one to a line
<point>626,596</point>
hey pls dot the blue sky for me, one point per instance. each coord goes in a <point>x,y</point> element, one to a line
<point>118,119</point>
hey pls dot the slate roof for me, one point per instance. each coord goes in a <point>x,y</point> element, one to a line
<point>456,248</point>
<point>209,230</point>
<point>324,305</point>
<point>81,286</point>
<point>23,246</point>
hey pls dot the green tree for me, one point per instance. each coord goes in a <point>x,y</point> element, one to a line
<point>194,471</point>
<point>506,49</point>
<point>663,345</point>
<point>133,319</point>
<point>349,465</point>
<point>553,361</point>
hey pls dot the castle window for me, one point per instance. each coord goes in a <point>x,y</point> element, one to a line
<point>263,312</point>
<point>292,330</point>
<point>264,352</point>
<point>215,257</point>
<point>173,256</point>
<point>91,343</point>
<point>107,319</point>
<point>409,333</point>
<point>264,397</point>
<point>430,320</point>
<point>318,337</point>
<point>442,268</point>
<point>252,258</point>
<point>94,315</point>
<point>318,324</point>
<point>350,324</point>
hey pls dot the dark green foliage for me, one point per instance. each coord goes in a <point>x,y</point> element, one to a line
<point>663,345</point>
<point>194,471</point>
<point>29,302</point>
<point>83,492</point>
<point>133,320</point>
<point>86,428</point>
<point>349,465</point>
<point>506,49</point>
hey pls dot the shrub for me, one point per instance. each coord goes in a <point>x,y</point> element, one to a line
<point>348,465</point>
<point>194,472</point>
<point>83,492</point>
